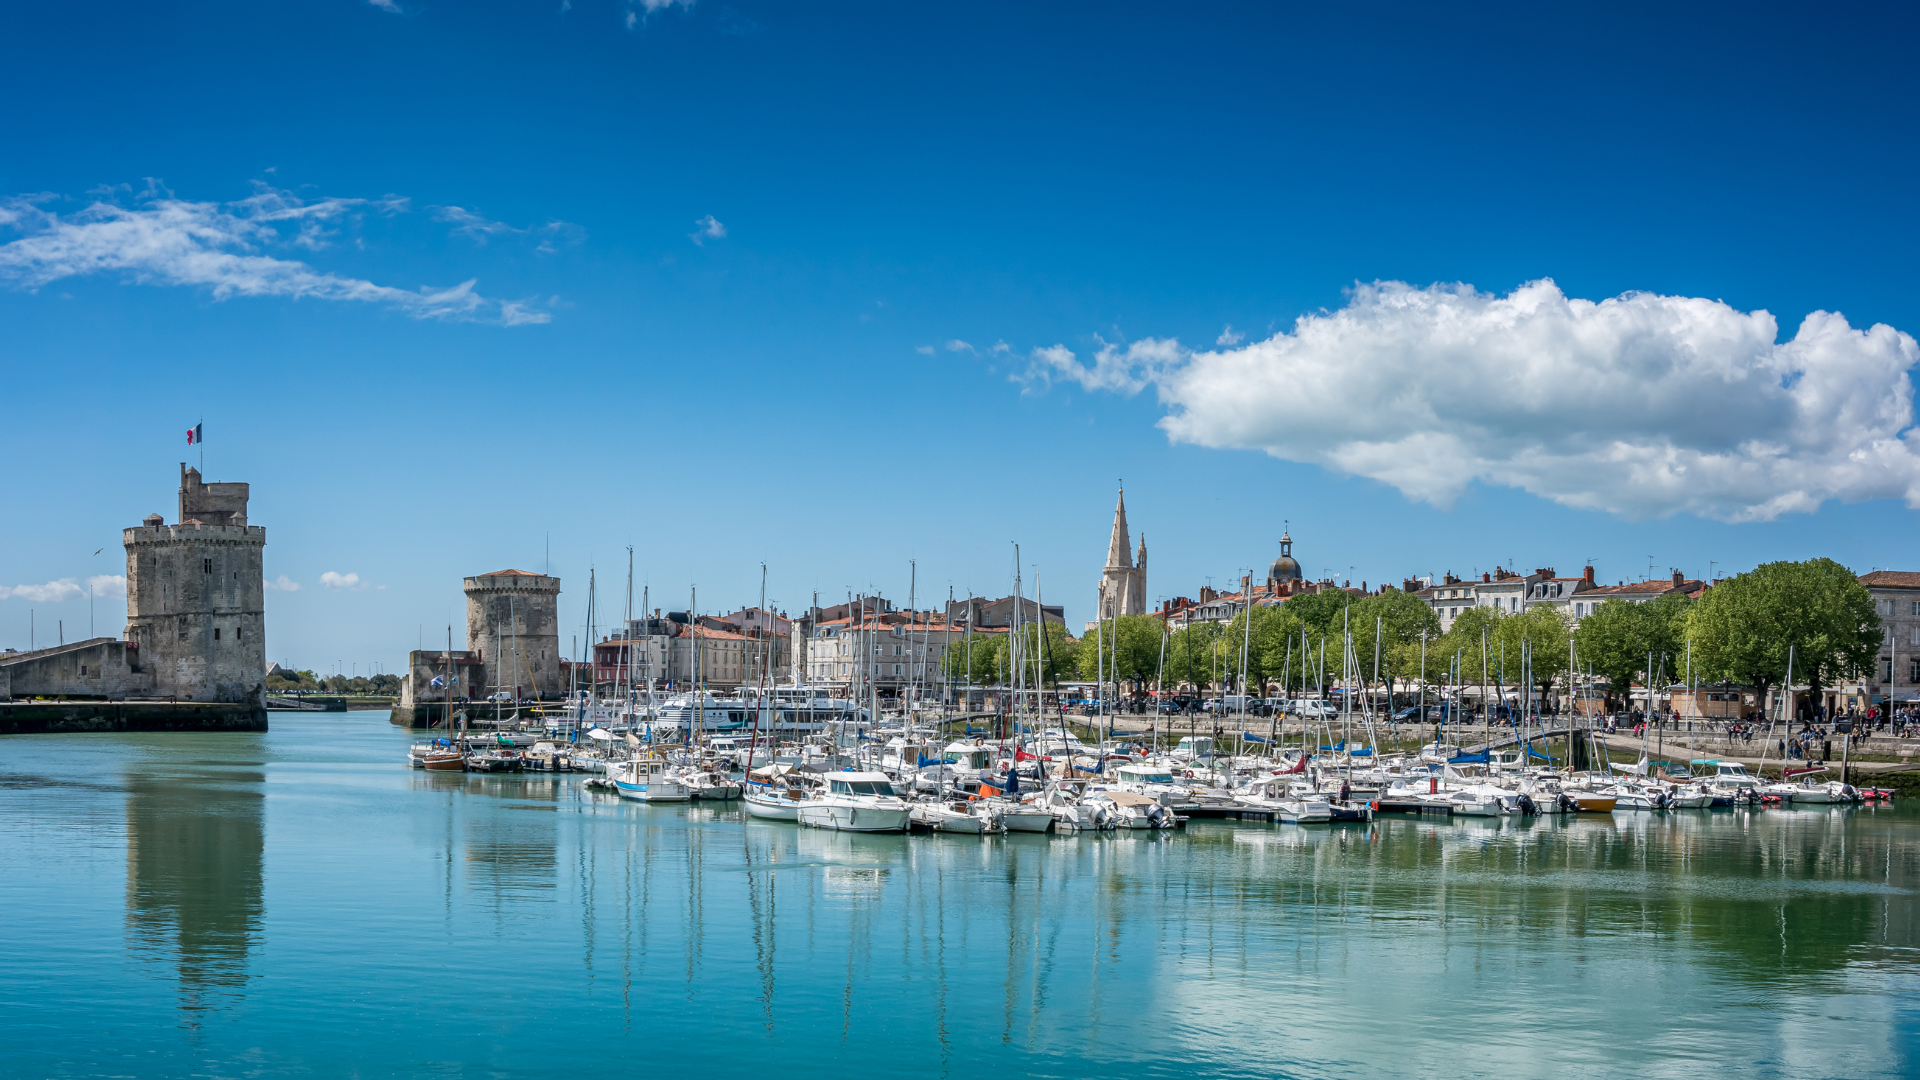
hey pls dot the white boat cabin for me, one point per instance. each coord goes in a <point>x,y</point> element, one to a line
<point>1194,746</point>
<point>859,783</point>
<point>1143,774</point>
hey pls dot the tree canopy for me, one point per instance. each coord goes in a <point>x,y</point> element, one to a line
<point>1137,640</point>
<point>1615,639</point>
<point>1743,628</point>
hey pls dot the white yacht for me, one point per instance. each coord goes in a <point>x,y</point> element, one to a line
<point>856,802</point>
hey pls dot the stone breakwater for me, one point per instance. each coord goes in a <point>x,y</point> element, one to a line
<point>42,717</point>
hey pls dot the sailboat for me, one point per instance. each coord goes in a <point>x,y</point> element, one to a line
<point>443,755</point>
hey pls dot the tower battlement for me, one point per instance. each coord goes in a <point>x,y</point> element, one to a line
<point>196,595</point>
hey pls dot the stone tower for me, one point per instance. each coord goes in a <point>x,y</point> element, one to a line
<point>196,607</point>
<point>513,620</point>
<point>1123,582</point>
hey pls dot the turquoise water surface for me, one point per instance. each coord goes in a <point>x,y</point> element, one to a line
<point>300,903</point>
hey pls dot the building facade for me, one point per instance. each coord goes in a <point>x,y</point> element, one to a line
<point>1896,598</point>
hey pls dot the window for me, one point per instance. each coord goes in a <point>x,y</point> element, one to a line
<point>1916,607</point>
<point>1889,660</point>
<point>239,633</point>
<point>216,633</point>
<point>206,566</point>
<point>1913,636</point>
<point>1913,670</point>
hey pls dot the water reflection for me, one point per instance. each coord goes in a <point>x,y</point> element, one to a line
<point>194,844</point>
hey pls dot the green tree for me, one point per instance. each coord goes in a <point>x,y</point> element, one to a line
<point>1320,611</point>
<point>1401,618</point>
<point>1543,630</point>
<point>1743,627</point>
<point>1136,638</point>
<point>1054,651</point>
<point>1472,639</point>
<point>1190,654</point>
<point>1273,628</point>
<point>975,658</point>
<point>1616,638</point>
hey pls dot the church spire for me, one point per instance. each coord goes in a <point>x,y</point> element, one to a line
<point>1117,555</point>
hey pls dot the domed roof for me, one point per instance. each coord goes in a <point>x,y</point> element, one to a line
<point>1285,568</point>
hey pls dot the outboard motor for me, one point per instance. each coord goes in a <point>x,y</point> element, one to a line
<point>1567,805</point>
<point>1526,805</point>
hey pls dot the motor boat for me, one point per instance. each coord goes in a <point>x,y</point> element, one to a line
<point>1072,811</point>
<point>1014,815</point>
<point>856,802</point>
<point>1483,800</point>
<point>709,780</point>
<point>1292,801</point>
<point>1132,810</point>
<point>950,815</point>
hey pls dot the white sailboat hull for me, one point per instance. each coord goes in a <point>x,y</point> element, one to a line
<point>772,808</point>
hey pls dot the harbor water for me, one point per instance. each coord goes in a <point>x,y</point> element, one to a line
<point>300,903</point>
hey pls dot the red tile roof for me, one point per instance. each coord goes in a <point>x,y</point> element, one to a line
<point>1895,579</point>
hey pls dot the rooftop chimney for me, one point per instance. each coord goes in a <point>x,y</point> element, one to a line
<point>1679,579</point>
<point>1484,576</point>
<point>1588,574</point>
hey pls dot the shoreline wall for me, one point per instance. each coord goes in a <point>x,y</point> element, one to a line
<point>48,717</point>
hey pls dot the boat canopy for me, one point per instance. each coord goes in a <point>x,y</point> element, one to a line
<point>1480,758</point>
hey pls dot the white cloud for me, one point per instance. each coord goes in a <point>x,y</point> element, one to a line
<point>956,345</point>
<point>52,592</point>
<point>217,246</point>
<point>1641,405</point>
<point>387,6</point>
<point>334,580</point>
<point>107,584</point>
<point>639,9</point>
<point>710,229</point>
<point>924,350</point>
<point>1229,336</point>
<point>283,583</point>
<point>552,235</point>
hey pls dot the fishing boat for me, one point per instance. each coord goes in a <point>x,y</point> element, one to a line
<point>648,778</point>
<point>856,802</point>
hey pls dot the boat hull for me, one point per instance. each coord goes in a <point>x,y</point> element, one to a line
<point>1027,822</point>
<point>873,819</point>
<point>772,809</point>
<point>653,791</point>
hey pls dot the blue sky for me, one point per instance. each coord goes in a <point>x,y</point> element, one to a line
<point>719,252</point>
